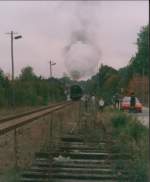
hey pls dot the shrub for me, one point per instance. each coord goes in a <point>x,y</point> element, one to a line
<point>119,120</point>
<point>132,138</point>
<point>135,129</point>
<point>138,171</point>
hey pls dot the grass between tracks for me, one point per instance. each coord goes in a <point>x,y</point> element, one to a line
<point>130,137</point>
<point>10,175</point>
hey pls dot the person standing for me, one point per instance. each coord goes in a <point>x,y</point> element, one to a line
<point>113,101</point>
<point>101,104</point>
<point>132,102</point>
<point>68,97</point>
<point>117,102</point>
<point>85,101</point>
<point>93,103</point>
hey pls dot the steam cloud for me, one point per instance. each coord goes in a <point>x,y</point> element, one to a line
<point>82,52</point>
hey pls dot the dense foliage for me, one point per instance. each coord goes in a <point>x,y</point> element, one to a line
<point>30,89</point>
<point>131,138</point>
<point>110,81</point>
<point>103,84</point>
<point>140,62</point>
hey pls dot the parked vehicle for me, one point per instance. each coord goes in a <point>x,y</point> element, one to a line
<point>125,104</point>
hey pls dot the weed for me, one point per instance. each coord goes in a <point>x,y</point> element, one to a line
<point>119,120</point>
<point>131,137</point>
<point>10,176</point>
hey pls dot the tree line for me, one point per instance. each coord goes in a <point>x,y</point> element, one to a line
<point>30,89</point>
<point>109,81</point>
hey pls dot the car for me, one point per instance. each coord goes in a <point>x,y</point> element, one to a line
<point>125,104</point>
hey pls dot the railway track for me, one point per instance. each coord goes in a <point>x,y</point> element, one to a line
<point>9,123</point>
<point>6,119</point>
<point>75,161</point>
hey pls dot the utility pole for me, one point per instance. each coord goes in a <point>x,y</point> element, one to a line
<point>51,64</point>
<point>12,52</point>
<point>12,61</point>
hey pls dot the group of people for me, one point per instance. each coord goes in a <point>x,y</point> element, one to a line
<point>93,103</point>
<point>116,99</point>
<point>98,104</point>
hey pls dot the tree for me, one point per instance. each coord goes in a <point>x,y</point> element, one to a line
<point>2,78</point>
<point>27,74</point>
<point>105,72</point>
<point>140,62</point>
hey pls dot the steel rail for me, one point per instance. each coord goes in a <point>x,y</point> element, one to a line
<point>9,118</point>
<point>15,123</point>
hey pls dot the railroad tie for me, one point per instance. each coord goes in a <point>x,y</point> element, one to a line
<point>79,161</point>
<point>76,161</point>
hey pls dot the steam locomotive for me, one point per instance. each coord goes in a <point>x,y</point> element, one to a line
<point>76,92</point>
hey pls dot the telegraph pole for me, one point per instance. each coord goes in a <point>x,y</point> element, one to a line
<point>12,61</point>
<point>12,54</point>
<point>12,64</point>
<point>51,64</point>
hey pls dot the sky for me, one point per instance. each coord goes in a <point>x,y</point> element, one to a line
<point>77,35</point>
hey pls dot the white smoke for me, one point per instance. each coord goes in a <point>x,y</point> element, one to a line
<point>82,53</point>
<point>82,57</point>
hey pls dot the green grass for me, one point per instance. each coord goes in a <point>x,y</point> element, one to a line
<point>10,176</point>
<point>131,137</point>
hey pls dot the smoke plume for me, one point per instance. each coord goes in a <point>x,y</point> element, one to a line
<point>82,52</point>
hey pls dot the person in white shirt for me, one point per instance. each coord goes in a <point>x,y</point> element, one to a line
<point>93,98</point>
<point>101,104</point>
<point>68,97</point>
<point>93,103</point>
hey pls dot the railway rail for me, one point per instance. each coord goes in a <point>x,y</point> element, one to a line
<point>73,160</point>
<point>6,119</point>
<point>9,123</point>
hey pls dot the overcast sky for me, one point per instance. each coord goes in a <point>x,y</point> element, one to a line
<point>48,29</point>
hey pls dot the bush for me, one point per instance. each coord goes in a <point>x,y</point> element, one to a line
<point>131,137</point>
<point>135,129</point>
<point>2,98</point>
<point>138,171</point>
<point>119,120</point>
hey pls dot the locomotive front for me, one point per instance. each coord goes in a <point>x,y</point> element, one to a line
<point>76,92</point>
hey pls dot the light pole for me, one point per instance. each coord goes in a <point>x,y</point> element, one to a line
<point>12,61</point>
<point>51,64</point>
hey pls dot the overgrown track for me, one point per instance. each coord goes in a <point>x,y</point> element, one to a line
<point>13,122</point>
<point>75,161</point>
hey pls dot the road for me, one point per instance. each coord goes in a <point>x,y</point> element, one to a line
<point>144,116</point>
